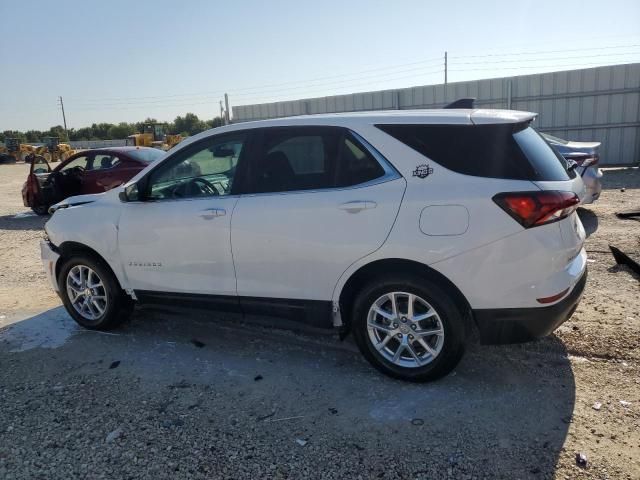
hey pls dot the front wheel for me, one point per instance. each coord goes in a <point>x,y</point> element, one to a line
<point>91,293</point>
<point>409,328</point>
<point>40,209</point>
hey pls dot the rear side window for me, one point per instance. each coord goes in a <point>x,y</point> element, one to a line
<point>546,161</point>
<point>508,151</point>
<point>310,158</point>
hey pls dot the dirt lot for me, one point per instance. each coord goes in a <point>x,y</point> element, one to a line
<point>247,402</point>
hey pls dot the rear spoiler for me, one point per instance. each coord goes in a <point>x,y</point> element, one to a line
<point>461,103</point>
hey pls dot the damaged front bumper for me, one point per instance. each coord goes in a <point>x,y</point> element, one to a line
<point>50,256</point>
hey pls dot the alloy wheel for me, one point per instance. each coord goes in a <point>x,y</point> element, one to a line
<point>405,329</point>
<point>86,292</point>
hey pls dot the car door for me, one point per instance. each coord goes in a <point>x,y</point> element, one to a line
<point>317,200</point>
<point>98,168</point>
<point>39,172</point>
<point>177,237</point>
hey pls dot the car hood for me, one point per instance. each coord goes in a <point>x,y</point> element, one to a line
<point>78,200</point>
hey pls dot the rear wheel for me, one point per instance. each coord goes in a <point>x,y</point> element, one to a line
<point>91,293</point>
<point>409,328</point>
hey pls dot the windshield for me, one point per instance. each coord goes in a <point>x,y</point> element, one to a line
<point>146,155</point>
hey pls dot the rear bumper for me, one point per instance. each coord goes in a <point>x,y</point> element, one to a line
<point>592,181</point>
<point>515,325</point>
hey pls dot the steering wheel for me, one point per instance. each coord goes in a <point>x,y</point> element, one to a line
<point>205,186</point>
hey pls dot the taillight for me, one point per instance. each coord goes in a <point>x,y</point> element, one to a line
<point>531,209</point>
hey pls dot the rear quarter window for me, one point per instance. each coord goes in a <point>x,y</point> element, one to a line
<point>507,151</point>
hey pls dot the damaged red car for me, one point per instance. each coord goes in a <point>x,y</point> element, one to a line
<point>88,171</point>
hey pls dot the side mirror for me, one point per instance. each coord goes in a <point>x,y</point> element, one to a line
<point>222,152</point>
<point>129,193</point>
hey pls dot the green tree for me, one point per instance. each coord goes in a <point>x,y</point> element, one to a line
<point>57,131</point>
<point>215,122</point>
<point>120,131</point>
<point>190,124</point>
<point>13,134</point>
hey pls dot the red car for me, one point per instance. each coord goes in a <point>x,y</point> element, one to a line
<point>89,171</point>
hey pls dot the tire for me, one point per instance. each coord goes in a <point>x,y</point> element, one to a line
<point>110,306</point>
<point>41,210</point>
<point>418,364</point>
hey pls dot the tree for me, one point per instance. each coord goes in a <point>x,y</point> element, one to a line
<point>215,122</point>
<point>190,124</point>
<point>122,130</point>
<point>13,134</point>
<point>33,136</point>
<point>57,131</point>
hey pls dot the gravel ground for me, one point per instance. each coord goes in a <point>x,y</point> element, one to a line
<point>171,395</point>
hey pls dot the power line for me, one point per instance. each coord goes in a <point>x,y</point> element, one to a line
<point>548,59</point>
<point>369,82</point>
<point>368,79</point>
<point>244,89</point>
<point>275,87</point>
<point>546,51</point>
<point>532,66</point>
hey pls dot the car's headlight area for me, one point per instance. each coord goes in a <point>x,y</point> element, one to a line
<point>54,208</point>
<point>59,206</point>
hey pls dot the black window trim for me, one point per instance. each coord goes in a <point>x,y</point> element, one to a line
<point>517,127</point>
<point>182,153</point>
<point>390,172</point>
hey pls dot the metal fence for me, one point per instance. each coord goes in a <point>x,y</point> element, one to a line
<point>97,143</point>
<point>594,104</point>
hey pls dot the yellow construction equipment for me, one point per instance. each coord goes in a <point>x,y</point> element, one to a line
<point>153,135</point>
<point>52,150</point>
<point>13,150</point>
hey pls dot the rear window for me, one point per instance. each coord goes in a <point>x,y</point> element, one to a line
<point>509,151</point>
<point>146,155</point>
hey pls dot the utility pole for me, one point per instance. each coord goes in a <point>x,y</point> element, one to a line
<point>445,67</point>
<point>64,118</point>
<point>226,107</point>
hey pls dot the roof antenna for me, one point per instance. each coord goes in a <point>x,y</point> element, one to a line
<point>461,103</point>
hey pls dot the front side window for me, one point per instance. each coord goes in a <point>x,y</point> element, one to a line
<point>82,162</point>
<point>310,158</point>
<point>105,161</point>
<point>204,171</point>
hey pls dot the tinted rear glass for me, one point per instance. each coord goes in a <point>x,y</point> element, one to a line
<point>546,161</point>
<point>146,155</point>
<point>510,151</point>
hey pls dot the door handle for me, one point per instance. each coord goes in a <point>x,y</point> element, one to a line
<point>358,205</point>
<point>211,213</point>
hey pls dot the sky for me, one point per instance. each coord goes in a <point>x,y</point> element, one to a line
<point>116,60</point>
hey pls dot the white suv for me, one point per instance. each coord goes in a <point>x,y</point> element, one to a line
<point>409,229</point>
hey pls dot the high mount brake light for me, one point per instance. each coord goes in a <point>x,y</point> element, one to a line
<point>531,209</point>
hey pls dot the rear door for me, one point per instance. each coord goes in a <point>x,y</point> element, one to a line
<point>318,199</point>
